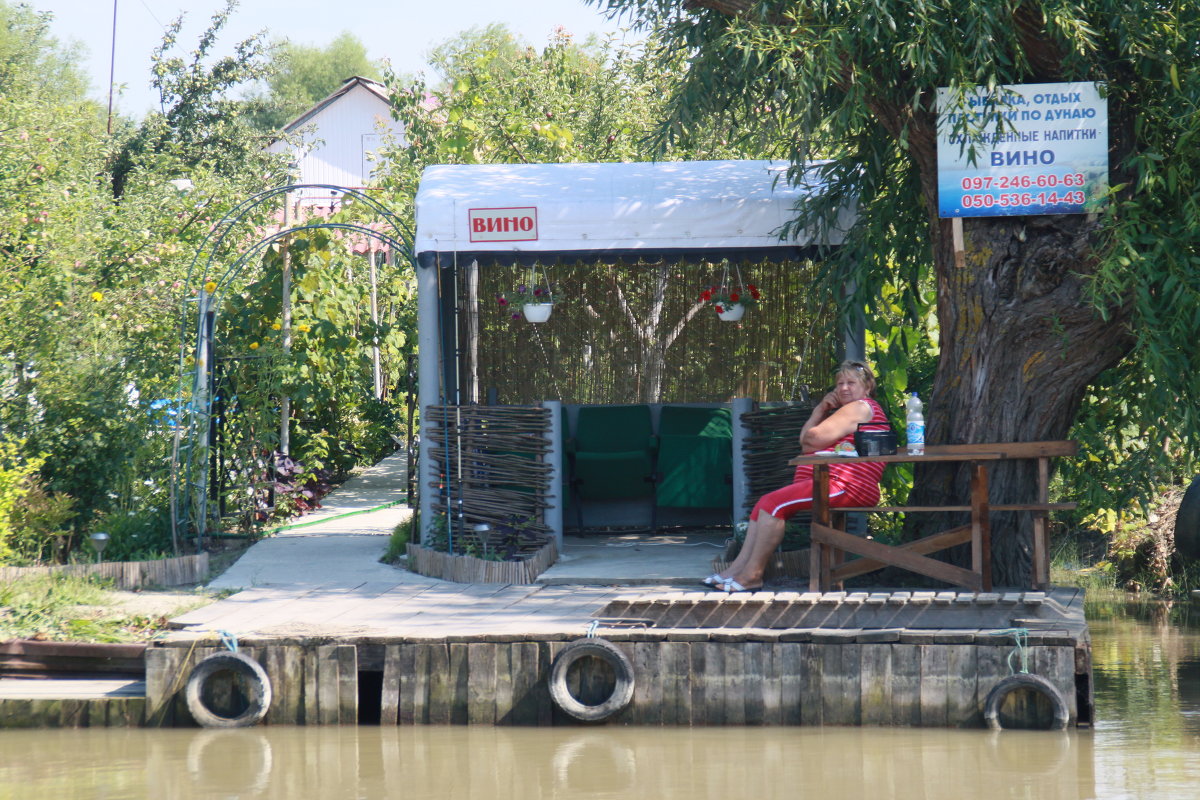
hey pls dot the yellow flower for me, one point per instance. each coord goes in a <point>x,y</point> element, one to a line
<point>97,296</point>
<point>303,328</point>
<point>210,287</point>
<point>276,326</point>
<point>58,303</point>
<point>254,345</point>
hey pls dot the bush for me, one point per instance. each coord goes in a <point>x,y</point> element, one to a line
<point>15,475</point>
<point>41,524</point>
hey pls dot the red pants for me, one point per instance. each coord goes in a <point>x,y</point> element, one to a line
<point>783,503</point>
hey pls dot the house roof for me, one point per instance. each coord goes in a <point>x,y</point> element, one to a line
<point>374,87</point>
<point>683,209</point>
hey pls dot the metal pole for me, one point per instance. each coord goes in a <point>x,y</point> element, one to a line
<point>285,403</point>
<point>375,370</point>
<point>112,66</point>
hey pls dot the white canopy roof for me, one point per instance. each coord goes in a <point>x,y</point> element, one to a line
<point>511,211</point>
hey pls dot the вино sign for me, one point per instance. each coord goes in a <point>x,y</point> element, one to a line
<point>503,224</point>
<point>1038,149</point>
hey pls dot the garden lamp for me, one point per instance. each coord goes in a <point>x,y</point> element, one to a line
<point>99,540</point>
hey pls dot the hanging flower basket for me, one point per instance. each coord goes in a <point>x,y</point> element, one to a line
<point>535,298</point>
<point>731,313</point>
<point>537,312</point>
<point>730,300</point>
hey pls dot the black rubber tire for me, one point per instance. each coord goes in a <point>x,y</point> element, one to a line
<point>1187,523</point>
<point>606,651</point>
<point>258,690</point>
<point>1025,680</point>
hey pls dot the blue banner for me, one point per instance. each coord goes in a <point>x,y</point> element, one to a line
<point>1030,149</point>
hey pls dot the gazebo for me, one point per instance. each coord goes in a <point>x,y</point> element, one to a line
<point>470,218</point>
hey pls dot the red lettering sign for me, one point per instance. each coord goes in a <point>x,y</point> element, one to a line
<point>503,224</point>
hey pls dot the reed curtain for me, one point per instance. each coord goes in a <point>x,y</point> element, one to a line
<point>636,332</point>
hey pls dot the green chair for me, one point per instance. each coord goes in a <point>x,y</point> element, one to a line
<point>612,454</point>
<point>695,458</point>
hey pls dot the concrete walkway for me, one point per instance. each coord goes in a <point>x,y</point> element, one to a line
<point>339,544</point>
<point>322,575</point>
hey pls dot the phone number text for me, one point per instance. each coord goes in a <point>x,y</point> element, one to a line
<point>1022,199</point>
<point>977,182</point>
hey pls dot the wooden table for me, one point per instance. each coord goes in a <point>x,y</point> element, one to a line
<point>830,541</point>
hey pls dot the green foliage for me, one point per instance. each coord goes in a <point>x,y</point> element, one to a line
<point>305,74</point>
<point>401,535</point>
<point>337,421</point>
<point>41,523</point>
<point>91,286</point>
<point>15,474</point>
<point>854,83</point>
<point>199,125</point>
<point>499,100</point>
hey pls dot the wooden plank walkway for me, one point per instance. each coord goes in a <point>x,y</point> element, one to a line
<point>448,610</point>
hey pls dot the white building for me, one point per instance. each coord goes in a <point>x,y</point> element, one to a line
<point>338,136</point>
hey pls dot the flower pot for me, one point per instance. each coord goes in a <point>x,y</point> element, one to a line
<point>537,312</point>
<point>732,313</point>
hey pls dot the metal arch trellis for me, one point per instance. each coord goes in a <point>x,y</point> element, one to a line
<point>189,474</point>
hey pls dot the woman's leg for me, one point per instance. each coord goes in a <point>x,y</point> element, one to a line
<point>743,556</point>
<point>765,532</point>
<point>751,563</point>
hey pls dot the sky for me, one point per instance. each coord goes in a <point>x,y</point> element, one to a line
<point>403,31</point>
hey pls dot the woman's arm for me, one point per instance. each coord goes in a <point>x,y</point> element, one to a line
<point>830,423</point>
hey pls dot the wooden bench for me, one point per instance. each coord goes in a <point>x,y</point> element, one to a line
<point>830,541</point>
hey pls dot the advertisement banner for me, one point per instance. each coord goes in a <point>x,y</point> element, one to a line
<point>1039,148</point>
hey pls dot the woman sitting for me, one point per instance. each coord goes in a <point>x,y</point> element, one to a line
<point>833,422</point>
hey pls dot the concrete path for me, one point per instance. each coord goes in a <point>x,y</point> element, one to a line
<point>322,575</point>
<point>339,544</point>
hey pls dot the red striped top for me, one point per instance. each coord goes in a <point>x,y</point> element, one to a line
<point>861,478</point>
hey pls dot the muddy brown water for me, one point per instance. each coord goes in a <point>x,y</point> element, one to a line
<point>1146,744</point>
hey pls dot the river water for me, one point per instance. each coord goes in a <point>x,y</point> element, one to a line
<point>1146,744</point>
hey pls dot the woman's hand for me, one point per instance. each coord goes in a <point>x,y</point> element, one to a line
<point>829,404</point>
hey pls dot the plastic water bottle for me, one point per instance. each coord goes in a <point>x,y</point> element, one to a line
<point>915,424</point>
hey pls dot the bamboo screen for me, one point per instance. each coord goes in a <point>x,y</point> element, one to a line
<point>635,332</point>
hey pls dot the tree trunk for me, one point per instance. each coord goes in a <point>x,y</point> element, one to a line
<point>1020,343</point>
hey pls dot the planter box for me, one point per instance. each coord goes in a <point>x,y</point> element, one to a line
<point>177,571</point>
<point>788,564</point>
<point>468,569</point>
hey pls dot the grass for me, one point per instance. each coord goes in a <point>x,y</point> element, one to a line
<point>47,607</point>
<point>398,543</point>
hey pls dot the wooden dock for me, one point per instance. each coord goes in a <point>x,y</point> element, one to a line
<point>482,654</point>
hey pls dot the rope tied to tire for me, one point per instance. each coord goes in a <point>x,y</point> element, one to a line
<point>1024,679</point>
<point>229,640</point>
<point>1021,640</point>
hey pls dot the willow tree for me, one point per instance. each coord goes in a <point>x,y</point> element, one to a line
<point>1045,308</point>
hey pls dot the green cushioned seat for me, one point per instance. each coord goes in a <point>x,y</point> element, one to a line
<point>695,458</point>
<point>613,451</point>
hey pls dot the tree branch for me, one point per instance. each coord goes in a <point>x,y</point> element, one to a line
<point>731,7</point>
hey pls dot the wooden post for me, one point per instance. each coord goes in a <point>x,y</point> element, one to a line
<point>821,557</point>
<point>1041,554</point>
<point>956,234</point>
<point>981,535</point>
